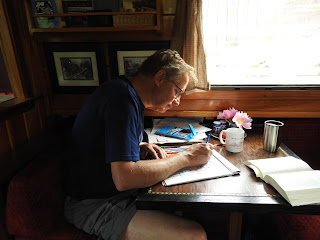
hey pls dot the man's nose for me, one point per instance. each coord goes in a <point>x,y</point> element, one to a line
<point>176,101</point>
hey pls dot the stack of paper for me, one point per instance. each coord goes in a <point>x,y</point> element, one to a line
<point>176,122</point>
<point>217,166</point>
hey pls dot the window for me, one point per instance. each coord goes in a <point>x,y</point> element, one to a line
<point>5,87</point>
<point>262,42</point>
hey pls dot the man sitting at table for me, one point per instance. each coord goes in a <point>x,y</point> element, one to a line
<point>109,158</point>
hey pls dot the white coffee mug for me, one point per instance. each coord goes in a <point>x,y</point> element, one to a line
<point>234,139</point>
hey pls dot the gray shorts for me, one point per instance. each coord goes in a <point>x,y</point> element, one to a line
<point>106,218</point>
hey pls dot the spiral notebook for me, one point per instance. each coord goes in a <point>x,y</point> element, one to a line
<point>216,167</point>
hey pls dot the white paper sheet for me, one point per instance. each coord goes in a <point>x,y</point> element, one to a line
<point>177,122</point>
<point>216,167</point>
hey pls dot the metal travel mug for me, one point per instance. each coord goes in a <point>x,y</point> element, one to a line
<point>271,135</point>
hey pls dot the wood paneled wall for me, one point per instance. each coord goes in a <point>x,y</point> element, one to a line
<point>17,128</point>
<point>29,77</point>
<point>257,103</point>
<point>34,54</point>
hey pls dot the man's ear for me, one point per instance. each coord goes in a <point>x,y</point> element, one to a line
<point>160,77</point>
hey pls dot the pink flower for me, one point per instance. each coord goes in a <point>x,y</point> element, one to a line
<point>227,114</point>
<point>242,120</point>
<point>231,116</point>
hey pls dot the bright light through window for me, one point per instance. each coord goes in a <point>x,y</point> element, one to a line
<point>262,42</point>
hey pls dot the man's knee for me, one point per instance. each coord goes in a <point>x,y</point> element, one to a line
<point>196,232</point>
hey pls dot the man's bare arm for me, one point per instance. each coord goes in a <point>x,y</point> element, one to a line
<point>145,173</point>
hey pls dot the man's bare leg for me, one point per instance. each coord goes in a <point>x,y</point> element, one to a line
<point>160,225</point>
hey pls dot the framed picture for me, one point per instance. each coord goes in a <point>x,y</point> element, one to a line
<point>75,67</point>
<point>130,61</point>
<point>126,57</point>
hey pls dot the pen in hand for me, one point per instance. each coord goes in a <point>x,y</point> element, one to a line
<point>208,138</point>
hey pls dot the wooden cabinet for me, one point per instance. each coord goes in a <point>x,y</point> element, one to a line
<point>68,103</point>
<point>140,21</point>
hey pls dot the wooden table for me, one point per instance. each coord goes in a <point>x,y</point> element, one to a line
<point>238,194</point>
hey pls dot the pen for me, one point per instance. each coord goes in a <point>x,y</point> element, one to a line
<point>192,130</point>
<point>208,138</point>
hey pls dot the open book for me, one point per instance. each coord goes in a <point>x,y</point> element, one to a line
<point>293,178</point>
<point>216,167</point>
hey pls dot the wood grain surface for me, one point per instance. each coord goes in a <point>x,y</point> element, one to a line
<point>244,192</point>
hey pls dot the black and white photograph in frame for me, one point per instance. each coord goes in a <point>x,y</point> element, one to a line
<point>76,68</point>
<point>130,61</point>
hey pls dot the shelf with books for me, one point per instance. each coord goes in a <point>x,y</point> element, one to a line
<point>51,16</point>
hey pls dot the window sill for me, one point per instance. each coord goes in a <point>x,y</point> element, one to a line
<point>4,98</point>
<point>15,106</point>
<point>264,87</point>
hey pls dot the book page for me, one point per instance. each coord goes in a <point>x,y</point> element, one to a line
<point>267,166</point>
<point>298,188</point>
<point>213,169</point>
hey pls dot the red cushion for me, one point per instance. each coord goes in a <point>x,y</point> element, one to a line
<point>66,231</point>
<point>34,199</point>
<point>35,202</point>
<point>298,227</point>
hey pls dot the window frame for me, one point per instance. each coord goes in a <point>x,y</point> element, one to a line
<point>9,56</point>
<point>245,86</point>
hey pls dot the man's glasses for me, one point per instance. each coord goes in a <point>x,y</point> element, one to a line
<point>178,94</point>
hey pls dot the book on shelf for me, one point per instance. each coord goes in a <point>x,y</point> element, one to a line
<point>76,6</point>
<point>45,7</point>
<point>216,167</point>
<point>292,177</point>
<point>70,6</point>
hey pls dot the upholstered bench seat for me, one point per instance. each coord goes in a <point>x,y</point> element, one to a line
<point>34,208</point>
<point>298,227</point>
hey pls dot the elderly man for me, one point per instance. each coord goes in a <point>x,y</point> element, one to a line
<point>109,165</point>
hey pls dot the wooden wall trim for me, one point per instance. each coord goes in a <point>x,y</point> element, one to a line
<point>135,36</point>
<point>212,114</point>
<point>20,119</point>
<point>15,107</point>
<point>75,102</point>
<point>255,94</point>
<point>257,103</point>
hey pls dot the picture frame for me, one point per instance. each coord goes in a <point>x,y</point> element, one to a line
<point>128,48</point>
<point>75,67</point>
<point>130,61</point>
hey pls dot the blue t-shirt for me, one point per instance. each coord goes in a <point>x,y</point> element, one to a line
<point>108,128</point>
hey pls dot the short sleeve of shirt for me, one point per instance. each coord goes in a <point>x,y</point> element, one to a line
<point>123,128</point>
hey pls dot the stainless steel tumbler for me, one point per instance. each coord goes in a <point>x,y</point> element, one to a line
<point>271,135</point>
